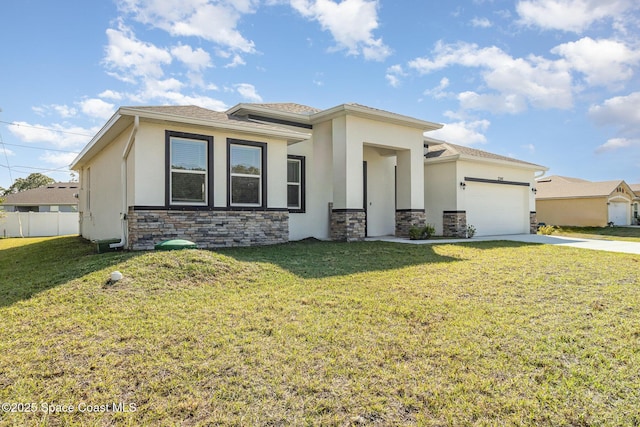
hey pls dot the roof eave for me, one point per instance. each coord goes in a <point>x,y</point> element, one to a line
<point>244,109</point>
<point>368,113</point>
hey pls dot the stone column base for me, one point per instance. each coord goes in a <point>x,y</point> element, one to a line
<point>407,218</point>
<point>533,223</point>
<point>347,224</point>
<point>454,224</point>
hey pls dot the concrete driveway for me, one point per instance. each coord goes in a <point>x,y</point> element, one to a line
<point>598,245</point>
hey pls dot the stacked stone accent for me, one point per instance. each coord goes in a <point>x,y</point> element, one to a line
<point>208,229</point>
<point>533,222</point>
<point>405,219</point>
<point>454,224</point>
<point>347,224</point>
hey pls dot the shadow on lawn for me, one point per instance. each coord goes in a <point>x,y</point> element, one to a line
<point>31,268</point>
<point>312,259</point>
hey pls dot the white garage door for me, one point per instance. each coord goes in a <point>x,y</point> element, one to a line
<point>495,209</point>
<point>619,213</point>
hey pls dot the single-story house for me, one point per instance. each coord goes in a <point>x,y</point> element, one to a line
<point>50,210</point>
<point>57,197</point>
<point>270,173</point>
<point>493,193</point>
<point>577,202</point>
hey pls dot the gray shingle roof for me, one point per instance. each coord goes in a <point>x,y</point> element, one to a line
<point>448,149</point>
<point>289,107</point>
<point>60,193</point>
<point>195,112</point>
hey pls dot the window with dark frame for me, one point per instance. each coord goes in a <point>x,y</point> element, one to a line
<point>247,175</point>
<point>296,183</point>
<point>189,165</point>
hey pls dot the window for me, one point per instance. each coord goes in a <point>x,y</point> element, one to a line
<point>247,183</point>
<point>295,183</point>
<point>189,169</point>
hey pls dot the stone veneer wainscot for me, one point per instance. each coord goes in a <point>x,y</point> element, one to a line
<point>207,228</point>
<point>454,224</point>
<point>407,218</point>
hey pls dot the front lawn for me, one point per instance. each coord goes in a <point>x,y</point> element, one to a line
<point>318,333</point>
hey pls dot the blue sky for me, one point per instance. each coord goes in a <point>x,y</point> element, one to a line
<point>554,82</point>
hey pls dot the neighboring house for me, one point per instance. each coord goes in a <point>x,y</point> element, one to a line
<point>578,202</point>
<point>495,194</point>
<point>270,173</point>
<point>635,212</point>
<point>50,210</point>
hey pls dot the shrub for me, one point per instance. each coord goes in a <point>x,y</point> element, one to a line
<point>546,230</point>
<point>421,233</point>
<point>471,231</point>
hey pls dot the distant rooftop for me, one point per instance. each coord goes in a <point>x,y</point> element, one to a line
<point>59,193</point>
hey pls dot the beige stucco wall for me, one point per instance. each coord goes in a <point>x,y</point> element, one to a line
<point>440,191</point>
<point>102,219</point>
<point>585,212</point>
<point>149,153</point>
<point>314,222</point>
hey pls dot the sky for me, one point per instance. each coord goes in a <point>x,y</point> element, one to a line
<point>552,82</point>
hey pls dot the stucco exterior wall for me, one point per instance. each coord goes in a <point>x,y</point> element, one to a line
<point>318,153</point>
<point>102,176</point>
<point>149,159</point>
<point>440,192</point>
<point>583,212</point>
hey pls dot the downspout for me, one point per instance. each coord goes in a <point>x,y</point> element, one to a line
<point>123,181</point>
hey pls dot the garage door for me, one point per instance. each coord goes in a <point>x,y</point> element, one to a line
<point>495,209</point>
<point>619,213</point>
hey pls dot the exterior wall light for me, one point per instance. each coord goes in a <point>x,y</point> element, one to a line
<point>534,190</point>
<point>463,185</point>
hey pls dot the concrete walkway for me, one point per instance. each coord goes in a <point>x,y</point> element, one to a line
<point>599,245</point>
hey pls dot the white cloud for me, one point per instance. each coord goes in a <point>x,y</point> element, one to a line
<point>394,75</point>
<point>237,61</point>
<point>58,159</point>
<point>248,91</point>
<point>60,136</point>
<point>63,111</point>
<point>516,82</point>
<point>438,92</point>
<point>462,132</point>
<point>350,22</point>
<point>603,62</point>
<point>95,107</point>
<point>614,144</point>
<point>481,23</point>
<point>110,94</point>
<point>4,151</point>
<point>530,148</point>
<point>215,21</point>
<point>622,112</point>
<point>195,60</point>
<point>130,58</point>
<point>570,15</point>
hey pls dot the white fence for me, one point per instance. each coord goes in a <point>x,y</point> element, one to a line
<point>38,224</point>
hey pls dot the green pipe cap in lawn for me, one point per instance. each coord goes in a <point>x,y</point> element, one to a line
<point>175,244</point>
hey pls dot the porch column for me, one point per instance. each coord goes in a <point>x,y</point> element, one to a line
<point>347,220</point>
<point>409,190</point>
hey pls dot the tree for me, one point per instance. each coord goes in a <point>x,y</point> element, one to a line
<point>35,180</point>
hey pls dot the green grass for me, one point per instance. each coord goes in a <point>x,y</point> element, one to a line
<point>631,234</point>
<point>314,333</point>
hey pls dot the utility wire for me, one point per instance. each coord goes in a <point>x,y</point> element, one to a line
<point>42,148</point>
<point>44,128</point>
